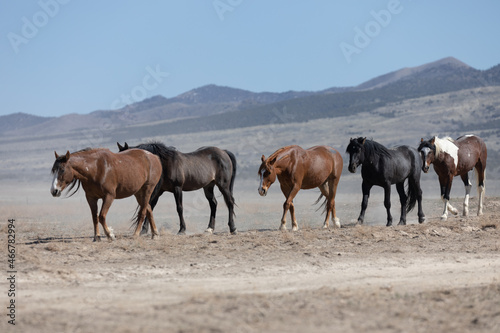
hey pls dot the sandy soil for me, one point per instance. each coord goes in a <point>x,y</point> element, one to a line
<point>437,276</point>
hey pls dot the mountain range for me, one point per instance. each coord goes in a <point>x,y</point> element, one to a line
<point>214,107</point>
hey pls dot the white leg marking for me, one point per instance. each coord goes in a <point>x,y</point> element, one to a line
<point>466,200</point>
<point>480,191</point>
<point>337,222</point>
<point>444,217</point>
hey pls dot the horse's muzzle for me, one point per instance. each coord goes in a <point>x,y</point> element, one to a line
<point>425,168</point>
<point>262,192</point>
<point>55,193</point>
<point>352,168</point>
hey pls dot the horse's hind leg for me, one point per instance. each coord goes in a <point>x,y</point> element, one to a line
<point>387,203</point>
<point>152,203</point>
<point>403,198</point>
<point>149,216</point>
<point>95,217</point>
<point>209,194</point>
<point>481,177</point>
<point>468,186</point>
<point>229,200</point>
<point>324,188</point>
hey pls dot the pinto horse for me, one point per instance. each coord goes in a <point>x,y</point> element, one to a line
<point>456,158</point>
<point>204,168</point>
<point>297,169</point>
<point>383,167</point>
<point>109,176</point>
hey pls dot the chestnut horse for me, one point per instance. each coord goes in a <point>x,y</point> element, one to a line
<point>296,169</point>
<point>456,158</point>
<point>108,176</point>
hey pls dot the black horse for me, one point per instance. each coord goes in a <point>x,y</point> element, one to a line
<point>383,167</point>
<point>204,168</point>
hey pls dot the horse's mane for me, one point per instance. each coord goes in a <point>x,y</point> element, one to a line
<point>439,143</point>
<point>158,148</point>
<point>277,152</point>
<point>373,148</point>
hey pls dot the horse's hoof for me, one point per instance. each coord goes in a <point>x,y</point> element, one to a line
<point>444,217</point>
<point>209,231</point>
<point>295,229</point>
<point>337,222</point>
<point>181,233</point>
<point>402,223</point>
<point>389,224</point>
<point>155,236</point>
<point>421,219</point>
<point>325,226</point>
<point>282,228</point>
<point>234,232</point>
<point>144,232</point>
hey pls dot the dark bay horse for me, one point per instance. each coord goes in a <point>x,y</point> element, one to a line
<point>204,168</point>
<point>297,169</point>
<point>109,176</point>
<point>383,167</point>
<point>456,158</point>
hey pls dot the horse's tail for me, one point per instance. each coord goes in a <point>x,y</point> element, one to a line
<point>323,205</point>
<point>233,175</point>
<point>412,194</point>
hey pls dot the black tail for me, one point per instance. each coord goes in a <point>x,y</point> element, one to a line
<point>412,194</point>
<point>233,176</point>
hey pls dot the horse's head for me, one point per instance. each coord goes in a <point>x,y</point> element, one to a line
<point>356,149</point>
<point>427,150</point>
<point>267,175</point>
<point>63,174</point>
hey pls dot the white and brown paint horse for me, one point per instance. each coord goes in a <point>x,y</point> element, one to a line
<point>456,158</point>
<point>297,169</point>
<point>109,176</point>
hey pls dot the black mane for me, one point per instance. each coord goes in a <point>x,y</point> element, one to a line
<point>373,148</point>
<point>158,148</point>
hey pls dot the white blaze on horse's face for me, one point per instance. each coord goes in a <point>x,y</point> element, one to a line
<point>55,189</point>
<point>425,158</point>
<point>262,188</point>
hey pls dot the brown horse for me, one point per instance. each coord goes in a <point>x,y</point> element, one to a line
<point>108,176</point>
<point>296,169</point>
<point>456,158</point>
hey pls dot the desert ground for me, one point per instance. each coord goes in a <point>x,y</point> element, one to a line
<point>436,276</point>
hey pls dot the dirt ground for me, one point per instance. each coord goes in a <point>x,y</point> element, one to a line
<point>436,276</point>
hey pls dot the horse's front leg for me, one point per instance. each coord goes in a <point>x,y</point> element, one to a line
<point>403,198</point>
<point>209,194</point>
<point>364,203</point>
<point>288,205</point>
<point>95,217</point>
<point>445,196</point>
<point>106,203</point>
<point>387,203</point>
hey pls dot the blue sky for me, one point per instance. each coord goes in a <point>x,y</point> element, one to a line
<point>63,56</point>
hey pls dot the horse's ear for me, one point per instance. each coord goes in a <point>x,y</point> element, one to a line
<point>271,162</point>
<point>126,146</point>
<point>67,155</point>
<point>433,140</point>
<point>421,140</point>
<point>55,153</point>
<point>363,140</point>
<point>263,158</point>
<point>120,147</point>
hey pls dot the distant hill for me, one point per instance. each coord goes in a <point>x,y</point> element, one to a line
<point>215,107</point>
